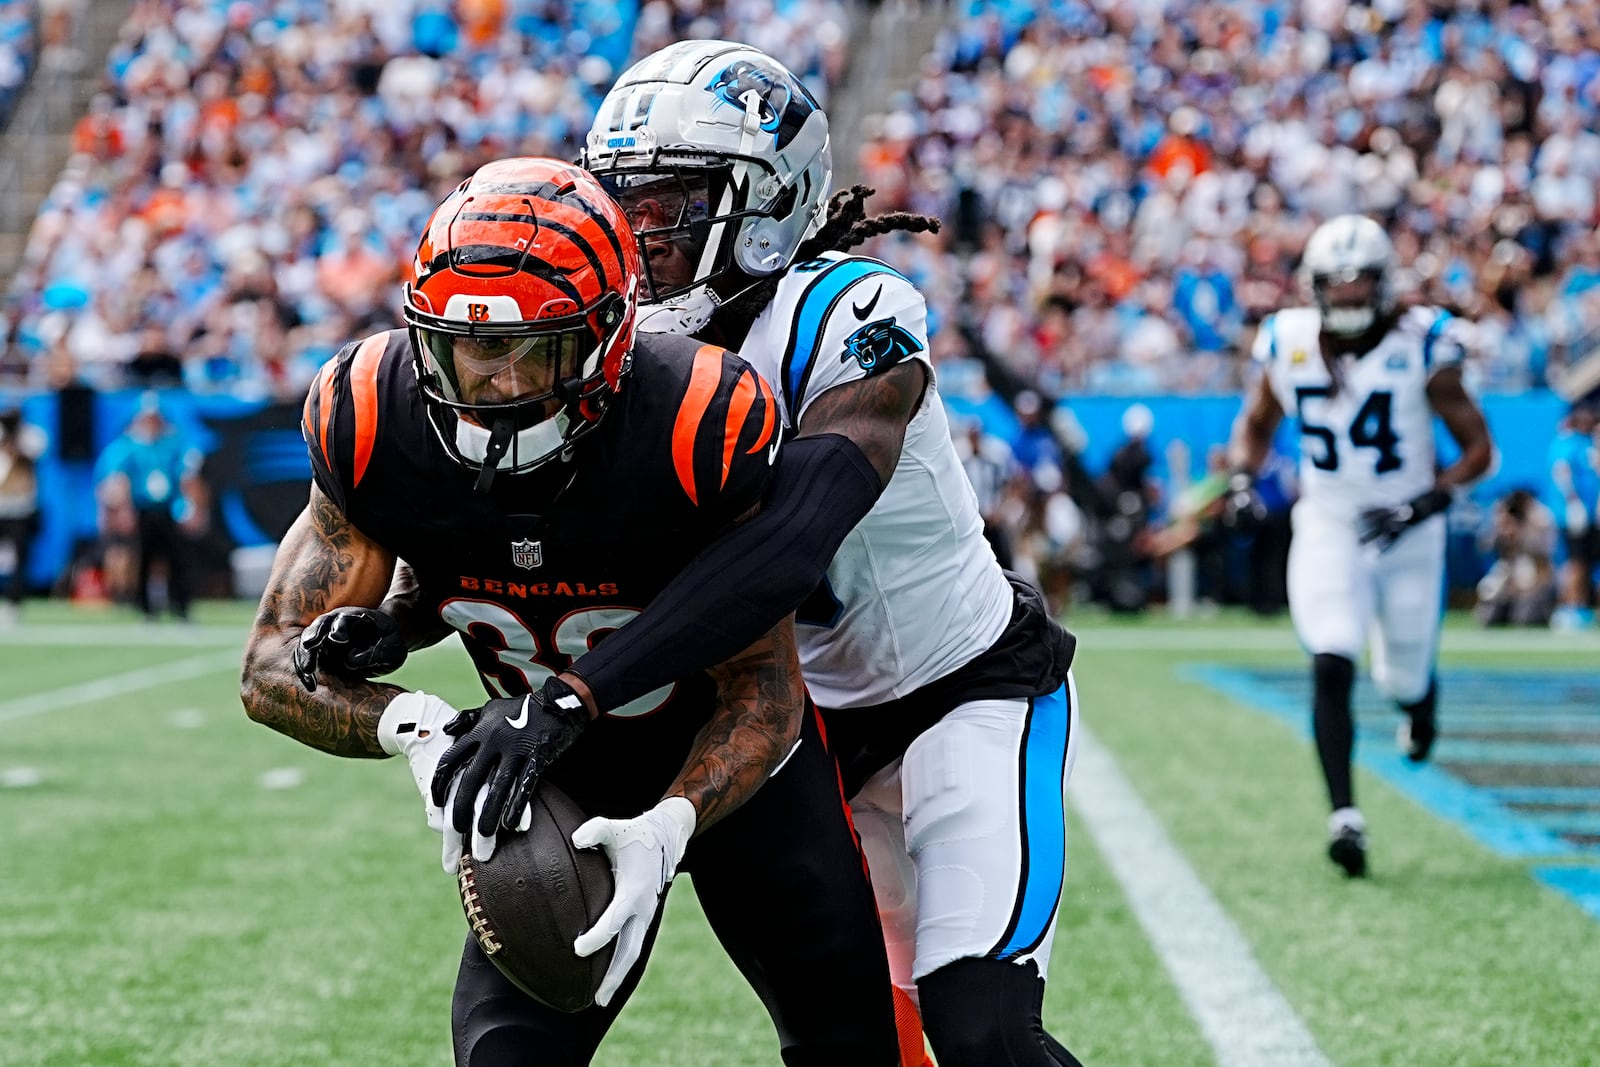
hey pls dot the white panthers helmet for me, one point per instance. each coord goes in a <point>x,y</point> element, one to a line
<point>719,155</point>
<point>1341,250</point>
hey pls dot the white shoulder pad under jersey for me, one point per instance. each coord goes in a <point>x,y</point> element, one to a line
<point>835,319</point>
<point>914,592</point>
<point>1366,440</point>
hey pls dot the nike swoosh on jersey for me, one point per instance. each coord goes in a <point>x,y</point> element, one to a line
<point>522,716</point>
<point>863,312</point>
<point>772,453</point>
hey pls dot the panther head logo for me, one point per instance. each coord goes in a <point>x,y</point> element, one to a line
<point>769,85</point>
<point>879,345</point>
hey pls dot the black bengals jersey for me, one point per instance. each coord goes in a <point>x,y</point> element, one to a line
<point>538,569</point>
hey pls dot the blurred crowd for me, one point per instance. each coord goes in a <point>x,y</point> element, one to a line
<point>243,194</point>
<point>1127,186</point>
<point>18,50</point>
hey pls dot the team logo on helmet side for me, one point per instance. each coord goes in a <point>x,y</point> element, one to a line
<point>784,103</point>
<point>743,76</point>
<point>879,345</point>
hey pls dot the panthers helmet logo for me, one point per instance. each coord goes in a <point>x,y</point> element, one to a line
<point>879,345</point>
<point>770,86</point>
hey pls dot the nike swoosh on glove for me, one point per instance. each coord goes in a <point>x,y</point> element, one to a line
<point>413,726</point>
<point>644,853</point>
<point>506,746</point>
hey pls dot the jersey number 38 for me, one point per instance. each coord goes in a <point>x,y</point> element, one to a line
<point>507,653</point>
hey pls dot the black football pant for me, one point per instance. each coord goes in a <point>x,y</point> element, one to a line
<point>159,540</point>
<point>19,533</point>
<point>785,889</point>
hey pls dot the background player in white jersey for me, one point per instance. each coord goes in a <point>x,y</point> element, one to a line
<point>1365,379</point>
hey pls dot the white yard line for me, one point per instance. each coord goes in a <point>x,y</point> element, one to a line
<point>121,635</point>
<point>1159,638</point>
<point>1244,1018</point>
<point>119,685</point>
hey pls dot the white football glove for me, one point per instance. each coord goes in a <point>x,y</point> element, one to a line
<point>644,853</point>
<point>413,726</point>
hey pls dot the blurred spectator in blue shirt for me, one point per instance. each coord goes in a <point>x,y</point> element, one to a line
<point>1202,294</point>
<point>1035,445</point>
<point>156,469</point>
<point>1575,472</point>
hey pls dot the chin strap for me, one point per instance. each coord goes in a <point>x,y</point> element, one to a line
<point>499,440</point>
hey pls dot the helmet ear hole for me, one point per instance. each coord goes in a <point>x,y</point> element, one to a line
<point>784,206</point>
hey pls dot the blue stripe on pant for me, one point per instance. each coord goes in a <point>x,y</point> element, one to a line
<point>1044,830</point>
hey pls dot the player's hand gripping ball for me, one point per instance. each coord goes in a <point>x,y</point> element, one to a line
<point>531,899</point>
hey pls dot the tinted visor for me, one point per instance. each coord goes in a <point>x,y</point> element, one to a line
<point>495,369</point>
<point>672,212</point>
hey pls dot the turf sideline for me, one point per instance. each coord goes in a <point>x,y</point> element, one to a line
<point>118,685</point>
<point>1244,1018</point>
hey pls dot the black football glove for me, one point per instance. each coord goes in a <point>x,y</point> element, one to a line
<point>1242,507</point>
<point>1383,526</point>
<point>507,744</point>
<point>351,643</point>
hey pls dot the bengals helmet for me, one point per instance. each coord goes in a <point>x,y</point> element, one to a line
<point>718,153</point>
<point>521,305</point>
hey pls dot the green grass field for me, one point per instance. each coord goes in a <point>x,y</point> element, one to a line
<point>182,886</point>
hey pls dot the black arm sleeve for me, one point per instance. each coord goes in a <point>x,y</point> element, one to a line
<point>747,580</point>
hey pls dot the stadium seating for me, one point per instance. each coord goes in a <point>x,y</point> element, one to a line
<point>243,194</point>
<point>18,50</point>
<point>1128,187</point>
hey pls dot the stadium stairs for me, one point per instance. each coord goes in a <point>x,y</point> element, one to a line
<point>35,146</point>
<point>894,35</point>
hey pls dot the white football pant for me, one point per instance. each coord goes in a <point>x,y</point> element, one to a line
<point>965,835</point>
<point>1343,594</point>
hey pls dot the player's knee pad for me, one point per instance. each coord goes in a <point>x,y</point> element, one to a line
<point>985,1013</point>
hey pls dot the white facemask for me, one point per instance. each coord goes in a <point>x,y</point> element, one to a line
<point>685,314</point>
<point>1348,322</point>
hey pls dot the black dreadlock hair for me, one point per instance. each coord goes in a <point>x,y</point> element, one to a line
<point>847,225</point>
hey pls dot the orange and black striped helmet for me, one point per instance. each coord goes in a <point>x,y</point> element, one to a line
<point>521,302</point>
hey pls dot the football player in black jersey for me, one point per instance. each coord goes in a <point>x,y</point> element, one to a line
<point>544,473</point>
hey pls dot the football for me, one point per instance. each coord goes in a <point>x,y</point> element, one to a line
<point>538,892</point>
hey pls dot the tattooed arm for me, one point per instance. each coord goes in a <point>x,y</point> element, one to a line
<point>324,562</point>
<point>760,701</point>
<point>872,412</point>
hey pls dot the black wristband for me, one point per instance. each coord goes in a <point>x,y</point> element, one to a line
<point>742,584</point>
<point>564,702</point>
<point>1426,505</point>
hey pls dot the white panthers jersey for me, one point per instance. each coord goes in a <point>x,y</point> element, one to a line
<point>914,592</point>
<point>1369,442</point>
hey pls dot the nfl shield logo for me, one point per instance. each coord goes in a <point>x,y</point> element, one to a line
<point>527,554</point>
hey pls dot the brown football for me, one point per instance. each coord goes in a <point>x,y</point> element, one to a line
<point>530,900</point>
